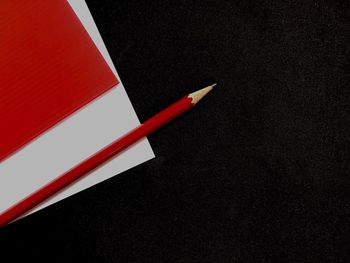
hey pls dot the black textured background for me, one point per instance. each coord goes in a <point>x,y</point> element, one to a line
<point>258,172</point>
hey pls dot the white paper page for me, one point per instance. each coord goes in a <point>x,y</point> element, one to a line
<point>73,140</point>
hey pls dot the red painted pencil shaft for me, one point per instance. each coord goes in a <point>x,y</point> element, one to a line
<point>95,160</point>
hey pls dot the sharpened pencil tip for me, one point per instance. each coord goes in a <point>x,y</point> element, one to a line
<point>198,95</point>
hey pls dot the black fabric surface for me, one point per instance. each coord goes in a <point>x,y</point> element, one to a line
<point>258,172</point>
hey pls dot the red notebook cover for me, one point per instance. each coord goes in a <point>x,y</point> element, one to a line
<point>49,68</point>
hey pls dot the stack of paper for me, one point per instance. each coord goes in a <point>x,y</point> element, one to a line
<point>61,99</point>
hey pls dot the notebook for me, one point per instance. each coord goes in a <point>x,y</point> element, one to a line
<point>61,99</point>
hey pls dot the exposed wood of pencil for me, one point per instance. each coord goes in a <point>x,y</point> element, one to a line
<point>199,94</point>
<point>102,156</point>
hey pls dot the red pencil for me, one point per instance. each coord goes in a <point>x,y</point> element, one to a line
<point>102,156</point>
